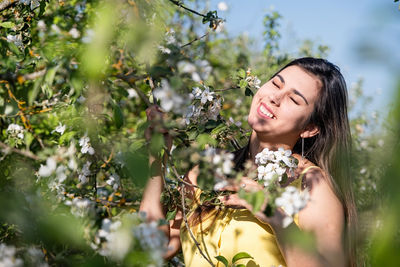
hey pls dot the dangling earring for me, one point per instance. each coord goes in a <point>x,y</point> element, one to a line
<point>302,148</point>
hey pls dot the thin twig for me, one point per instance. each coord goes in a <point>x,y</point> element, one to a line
<point>34,75</point>
<point>196,39</point>
<point>186,8</point>
<point>188,228</point>
<point>24,153</point>
<point>226,89</point>
<point>131,80</point>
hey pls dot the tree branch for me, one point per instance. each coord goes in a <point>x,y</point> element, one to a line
<point>131,80</point>
<point>177,3</point>
<point>25,153</point>
<point>196,39</point>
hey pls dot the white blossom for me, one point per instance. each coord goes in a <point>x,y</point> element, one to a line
<point>41,25</point>
<point>15,39</point>
<point>220,184</point>
<point>81,207</point>
<point>59,129</point>
<point>169,99</point>
<point>132,93</point>
<point>196,93</point>
<point>292,201</point>
<point>152,239</point>
<point>222,6</point>
<point>74,33</point>
<point>84,142</point>
<point>114,181</point>
<point>85,172</point>
<point>34,3</point>
<point>170,37</point>
<point>206,95</point>
<point>49,168</point>
<point>164,50</point>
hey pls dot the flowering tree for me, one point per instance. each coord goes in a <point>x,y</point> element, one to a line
<point>75,80</point>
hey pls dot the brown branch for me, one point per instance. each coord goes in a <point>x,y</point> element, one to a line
<point>190,231</point>
<point>24,153</point>
<point>196,39</point>
<point>6,3</point>
<point>226,89</point>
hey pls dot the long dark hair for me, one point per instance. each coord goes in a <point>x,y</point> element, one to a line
<point>330,148</point>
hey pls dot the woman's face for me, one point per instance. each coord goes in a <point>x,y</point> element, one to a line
<point>281,107</point>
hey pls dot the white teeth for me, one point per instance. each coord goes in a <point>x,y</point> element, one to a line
<point>265,112</point>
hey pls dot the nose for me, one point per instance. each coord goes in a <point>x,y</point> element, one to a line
<point>275,98</point>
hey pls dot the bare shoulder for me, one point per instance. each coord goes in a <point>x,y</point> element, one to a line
<point>323,206</point>
<point>324,213</point>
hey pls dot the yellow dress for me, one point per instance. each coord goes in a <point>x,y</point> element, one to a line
<point>232,231</point>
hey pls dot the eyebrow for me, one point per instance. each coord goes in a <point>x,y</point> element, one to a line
<point>294,90</point>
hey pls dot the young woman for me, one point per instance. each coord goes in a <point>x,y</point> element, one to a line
<point>303,108</point>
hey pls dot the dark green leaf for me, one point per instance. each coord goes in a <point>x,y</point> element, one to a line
<point>248,92</point>
<point>223,260</point>
<point>118,116</point>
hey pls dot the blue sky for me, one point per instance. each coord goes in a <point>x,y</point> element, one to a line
<point>342,25</point>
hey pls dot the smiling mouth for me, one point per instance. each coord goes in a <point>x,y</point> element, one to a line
<point>264,112</point>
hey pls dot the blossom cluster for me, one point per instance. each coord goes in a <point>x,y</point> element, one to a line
<point>221,164</point>
<point>206,105</point>
<point>169,99</point>
<point>292,201</point>
<point>252,80</point>
<point>117,237</point>
<point>273,165</point>
<point>15,130</point>
<point>8,257</point>
<point>86,147</point>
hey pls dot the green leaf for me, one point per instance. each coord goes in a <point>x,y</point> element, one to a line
<point>66,137</point>
<point>241,255</point>
<point>118,116</point>
<point>7,24</point>
<point>156,143</point>
<point>240,265</point>
<point>255,199</point>
<point>171,215</point>
<point>223,260</point>
<point>243,83</point>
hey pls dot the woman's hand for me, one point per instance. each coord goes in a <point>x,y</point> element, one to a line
<point>249,185</point>
<point>233,200</point>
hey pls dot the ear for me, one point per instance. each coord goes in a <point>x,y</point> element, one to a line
<point>310,131</point>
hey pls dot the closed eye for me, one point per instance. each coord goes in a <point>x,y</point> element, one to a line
<point>275,84</point>
<point>294,100</point>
